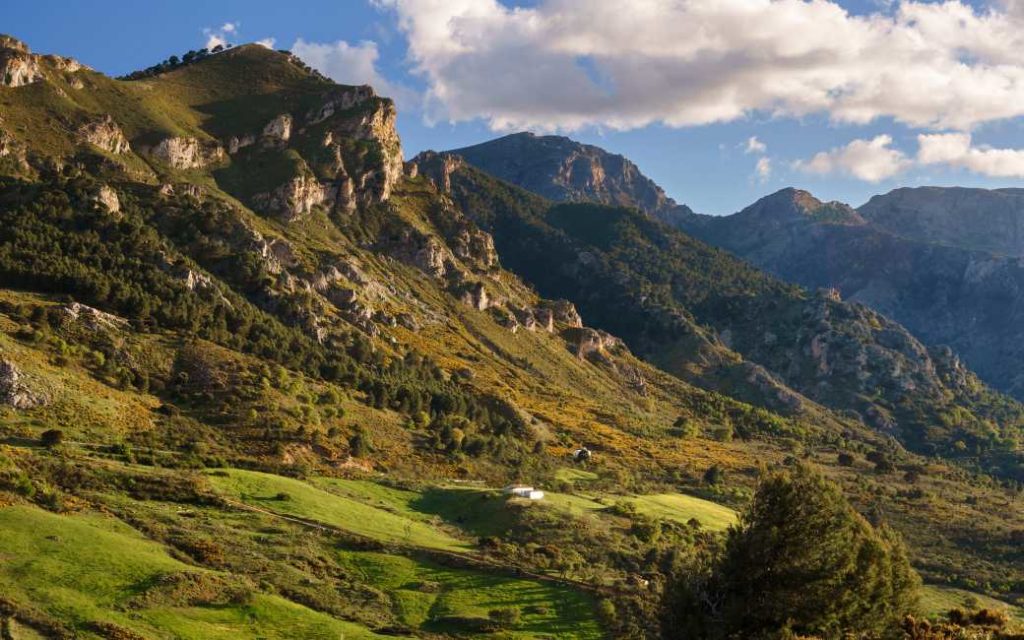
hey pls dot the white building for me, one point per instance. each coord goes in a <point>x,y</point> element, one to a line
<point>523,491</point>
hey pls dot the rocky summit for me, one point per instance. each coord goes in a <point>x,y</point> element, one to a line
<point>262,376</point>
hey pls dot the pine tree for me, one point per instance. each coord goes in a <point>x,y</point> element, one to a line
<point>801,561</point>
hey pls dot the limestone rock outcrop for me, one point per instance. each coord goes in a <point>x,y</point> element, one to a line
<point>18,67</point>
<point>15,391</point>
<point>295,198</point>
<point>186,152</point>
<point>107,199</point>
<point>105,134</point>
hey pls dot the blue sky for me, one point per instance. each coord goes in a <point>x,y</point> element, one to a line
<point>845,99</point>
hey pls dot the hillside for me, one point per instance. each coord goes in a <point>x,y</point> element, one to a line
<point>662,291</point>
<point>260,379</point>
<point>938,261</point>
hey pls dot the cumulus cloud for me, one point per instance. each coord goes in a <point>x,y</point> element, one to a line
<point>957,150</point>
<point>218,36</point>
<point>870,160</point>
<point>267,42</point>
<point>755,146</point>
<point>763,168</point>
<point>565,64</point>
<point>352,64</point>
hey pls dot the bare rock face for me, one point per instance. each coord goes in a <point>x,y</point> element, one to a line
<point>13,150</point>
<point>237,143</point>
<point>105,134</point>
<point>14,390</point>
<point>186,153</point>
<point>18,67</point>
<point>278,131</point>
<point>93,318</point>
<point>436,167</point>
<point>374,176</point>
<point>295,198</point>
<point>591,343</point>
<point>561,311</point>
<point>183,189</point>
<point>476,296</point>
<point>545,319</point>
<point>426,253</point>
<point>472,245</point>
<point>107,199</point>
<point>346,99</point>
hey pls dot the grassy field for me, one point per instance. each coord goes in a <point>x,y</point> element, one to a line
<point>88,569</point>
<point>483,511</point>
<point>433,598</point>
<point>681,508</point>
<point>297,498</point>
<point>937,600</point>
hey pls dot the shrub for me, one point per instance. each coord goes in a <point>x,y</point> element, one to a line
<point>505,617</point>
<point>52,438</point>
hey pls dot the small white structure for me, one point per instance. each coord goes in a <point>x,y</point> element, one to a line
<point>523,491</point>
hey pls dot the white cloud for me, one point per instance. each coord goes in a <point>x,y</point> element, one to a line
<point>352,64</point>
<point>957,150</point>
<point>218,36</point>
<point>565,64</point>
<point>267,42</point>
<point>755,146</point>
<point>870,160</point>
<point>763,168</point>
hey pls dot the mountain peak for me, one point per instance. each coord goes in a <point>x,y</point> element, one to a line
<point>796,205</point>
<point>564,170</point>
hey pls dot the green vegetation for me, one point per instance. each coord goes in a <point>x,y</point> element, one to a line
<point>296,498</point>
<point>431,597</point>
<point>682,508</point>
<point>94,574</point>
<point>938,601</point>
<point>803,560</point>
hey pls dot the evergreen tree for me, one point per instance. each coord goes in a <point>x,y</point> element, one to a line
<point>801,561</point>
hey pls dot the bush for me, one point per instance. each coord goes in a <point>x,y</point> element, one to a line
<point>52,438</point>
<point>504,618</point>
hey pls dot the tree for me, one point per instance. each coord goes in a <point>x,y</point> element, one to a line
<point>801,561</point>
<point>714,475</point>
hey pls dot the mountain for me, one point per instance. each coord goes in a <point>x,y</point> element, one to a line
<point>923,267</point>
<point>988,220</point>
<point>260,378</point>
<point>564,170</point>
<point>662,291</point>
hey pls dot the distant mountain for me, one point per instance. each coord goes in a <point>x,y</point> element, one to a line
<point>990,220</point>
<point>563,170</point>
<point>911,254</point>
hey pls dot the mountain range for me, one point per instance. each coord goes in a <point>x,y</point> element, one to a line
<point>260,376</point>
